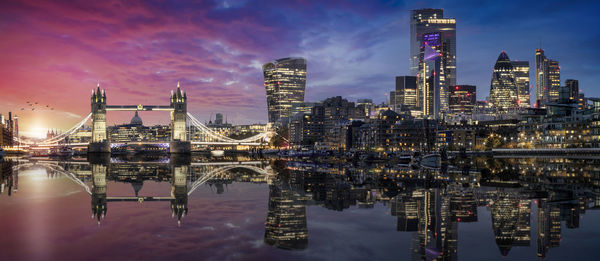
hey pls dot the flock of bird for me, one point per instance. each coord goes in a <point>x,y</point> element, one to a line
<point>34,105</point>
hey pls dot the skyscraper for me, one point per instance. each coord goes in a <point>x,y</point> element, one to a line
<point>285,83</point>
<point>429,26</point>
<point>573,86</point>
<point>521,70</point>
<point>431,21</point>
<point>462,99</point>
<point>433,88</point>
<point>503,88</point>
<point>554,80</point>
<point>405,94</point>
<point>547,79</point>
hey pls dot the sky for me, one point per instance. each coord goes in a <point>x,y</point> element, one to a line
<point>55,52</point>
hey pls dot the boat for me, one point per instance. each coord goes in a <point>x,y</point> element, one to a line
<point>62,151</point>
<point>432,161</point>
<point>217,153</point>
<point>405,160</point>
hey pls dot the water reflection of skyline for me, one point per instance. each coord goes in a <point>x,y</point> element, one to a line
<point>429,204</point>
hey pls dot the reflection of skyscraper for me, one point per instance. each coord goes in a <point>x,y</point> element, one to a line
<point>285,82</point>
<point>7,178</point>
<point>286,226</point>
<point>510,221</point>
<point>437,234</point>
<point>548,227</point>
<point>406,209</point>
<point>463,207</point>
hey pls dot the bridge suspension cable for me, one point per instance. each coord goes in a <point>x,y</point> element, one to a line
<point>68,132</point>
<point>69,175</point>
<point>206,177</point>
<point>196,123</point>
<point>58,138</point>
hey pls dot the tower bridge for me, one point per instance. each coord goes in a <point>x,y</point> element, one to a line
<point>179,143</point>
<point>184,178</point>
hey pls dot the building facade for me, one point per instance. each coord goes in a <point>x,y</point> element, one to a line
<point>424,21</point>
<point>547,79</point>
<point>462,99</point>
<point>521,71</point>
<point>430,30</point>
<point>285,83</point>
<point>405,94</point>
<point>6,130</point>
<point>503,88</point>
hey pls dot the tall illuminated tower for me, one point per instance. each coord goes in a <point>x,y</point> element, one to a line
<point>521,71</point>
<point>503,88</point>
<point>431,80</point>
<point>285,83</point>
<point>554,80</point>
<point>547,79</point>
<point>432,21</point>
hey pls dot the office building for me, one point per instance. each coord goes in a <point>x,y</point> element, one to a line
<point>285,83</point>
<point>430,30</point>
<point>405,94</point>
<point>462,99</point>
<point>503,88</point>
<point>547,77</point>
<point>521,71</point>
<point>425,21</point>
<point>364,105</point>
<point>573,87</point>
<point>554,80</point>
<point>7,130</point>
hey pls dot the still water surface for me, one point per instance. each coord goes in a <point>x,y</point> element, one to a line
<point>242,208</point>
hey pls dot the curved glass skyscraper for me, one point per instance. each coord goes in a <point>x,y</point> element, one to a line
<point>503,89</point>
<point>285,83</point>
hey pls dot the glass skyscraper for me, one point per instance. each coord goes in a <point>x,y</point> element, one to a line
<point>405,94</point>
<point>462,99</point>
<point>285,83</point>
<point>434,76</point>
<point>521,70</point>
<point>547,79</point>
<point>503,88</point>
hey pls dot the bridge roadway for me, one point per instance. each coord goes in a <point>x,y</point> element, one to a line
<point>229,163</point>
<point>546,152</point>
<point>139,108</point>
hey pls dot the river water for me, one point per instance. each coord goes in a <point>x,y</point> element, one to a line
<point>239,208</point>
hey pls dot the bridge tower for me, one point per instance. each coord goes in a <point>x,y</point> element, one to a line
<point>179,140</point>
<point>179,190</point>
<point>99,200</point>
<point>99,141</point>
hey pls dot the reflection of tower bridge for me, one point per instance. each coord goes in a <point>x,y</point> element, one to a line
<point>184,179</point>
<point>179,141</point>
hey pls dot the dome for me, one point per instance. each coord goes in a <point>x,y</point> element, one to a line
<point>136,120</point>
